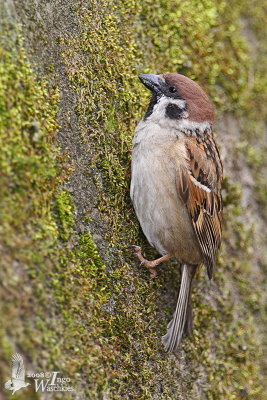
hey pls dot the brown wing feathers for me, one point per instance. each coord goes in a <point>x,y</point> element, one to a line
<point>199,188</point>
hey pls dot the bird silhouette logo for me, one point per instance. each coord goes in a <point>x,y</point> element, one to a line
<point>17,380</point>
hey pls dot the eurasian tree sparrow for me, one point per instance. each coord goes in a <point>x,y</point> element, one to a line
<point>176,185</point>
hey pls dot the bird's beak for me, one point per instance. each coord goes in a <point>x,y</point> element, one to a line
<point>151,81</point>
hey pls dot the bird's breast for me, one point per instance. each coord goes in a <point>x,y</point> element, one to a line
<point>163,217</point>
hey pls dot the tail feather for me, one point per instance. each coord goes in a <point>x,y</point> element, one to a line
<point>182,318</point>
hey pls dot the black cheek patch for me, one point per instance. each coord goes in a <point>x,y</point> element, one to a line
<point>173,111</point>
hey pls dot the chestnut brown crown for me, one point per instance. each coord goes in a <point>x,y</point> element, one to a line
<point>199,107</point>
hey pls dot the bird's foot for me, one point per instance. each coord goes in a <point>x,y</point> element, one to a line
<point>143,261</point>
<point>149,264</point>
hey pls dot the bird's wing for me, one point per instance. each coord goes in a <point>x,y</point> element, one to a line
<point>199,187</point>
<point>18,370</point>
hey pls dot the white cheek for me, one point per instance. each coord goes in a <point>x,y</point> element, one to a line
<point>159,114</point>
<point>158,124</point>
<point>159,111</point>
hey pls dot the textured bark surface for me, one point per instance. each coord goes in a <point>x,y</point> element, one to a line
<point>73,298</point>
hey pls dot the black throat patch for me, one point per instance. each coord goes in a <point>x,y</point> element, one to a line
<point>152,103</point>
<point>173,111</point>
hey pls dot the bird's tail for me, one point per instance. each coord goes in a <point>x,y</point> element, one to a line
<point>183,316</point>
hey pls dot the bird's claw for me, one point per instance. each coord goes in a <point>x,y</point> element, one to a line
<point>153,273</point>
<point>148,264</point>
<point>133,246</point>
<point>136,249</point>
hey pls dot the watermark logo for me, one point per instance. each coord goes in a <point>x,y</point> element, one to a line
<point>17,380</point>
<point>49,381</point>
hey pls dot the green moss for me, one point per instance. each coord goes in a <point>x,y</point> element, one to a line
<point>203,41</point>
<point>56,286</point>
<point>29,175</point>
<point>64,209</point>
<point>104,319</point>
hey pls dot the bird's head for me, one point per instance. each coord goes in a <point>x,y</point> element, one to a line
<point>177,97</point>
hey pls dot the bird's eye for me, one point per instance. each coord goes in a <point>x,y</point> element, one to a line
<point>172,89</point>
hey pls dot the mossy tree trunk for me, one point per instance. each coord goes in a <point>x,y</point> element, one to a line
<point>73,298</point>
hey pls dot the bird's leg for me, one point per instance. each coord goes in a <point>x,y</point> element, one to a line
<point>150,264</point>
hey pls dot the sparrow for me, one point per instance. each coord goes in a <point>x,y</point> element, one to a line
<point>176,179</point>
